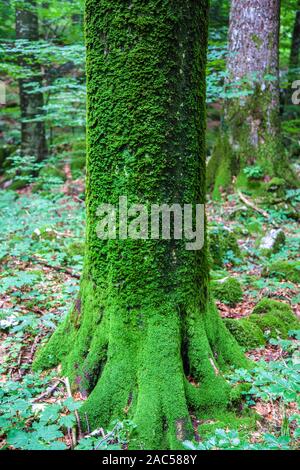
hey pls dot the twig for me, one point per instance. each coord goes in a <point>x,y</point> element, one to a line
<point>252,205</point>
<point>111,433</point>
<point>57,268</point>
<point>32,349</point>
<point>87,423</point>
<point>74,437</point>
<point>96,433</point>
<point>48,392</point>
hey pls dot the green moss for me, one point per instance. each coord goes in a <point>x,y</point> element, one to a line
<point>228,291</point>
<point>285,270</point>
<point>268,151</point>
<point>274,318</point>
<point>269,317</point>
<point>271,306</point>
<point>220,168</point>
<point>143,323</point>
<point>222,241</point>
<point>247,334</point>
<point>275,184</point>
<point>257,40</point>
<point>244,423</point>
<point>270,325</point>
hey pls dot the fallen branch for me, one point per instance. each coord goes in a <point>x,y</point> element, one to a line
<point>74,437</point>
<point>33,347</point>
<point>57,268</point>
<point>252,205</point>
<point>48,392</point>
<point>96,433</point>
<point>110,434</point>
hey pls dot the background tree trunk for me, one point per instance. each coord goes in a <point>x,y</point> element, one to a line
<point>144,333</point>
<point>33,140</point>
<point>251,134</point>
<point>295,47</point>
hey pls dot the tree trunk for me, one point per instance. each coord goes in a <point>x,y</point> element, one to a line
<point>291,110</point>
<point>33,140</point>
<point>251,134</point>
<point>144,340</point>
<point>295,47</point>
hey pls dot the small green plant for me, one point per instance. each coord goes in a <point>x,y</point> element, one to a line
<point>27,425</point>
<point>224,439</point>
<point>254,172</point>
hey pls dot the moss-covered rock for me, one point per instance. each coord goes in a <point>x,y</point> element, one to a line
<point>247,333</point>
<point>284,270</point>
<point>270,325</point>
<point>227,290</point>
<point>221,241</point>
<point>269,318</point>
<point>274,318</point>
<point>271,306</point>
<point>272,242</point>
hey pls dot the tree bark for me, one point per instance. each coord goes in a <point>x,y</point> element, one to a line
<point>251,134</point>
<point>144,340</point>
<point>33,139</point>
<point>295,46</point>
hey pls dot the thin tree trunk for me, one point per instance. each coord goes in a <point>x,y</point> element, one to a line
<point>33,140</point>
<point>251,135</point>
<point>291,111</point>
<point>143,333</point>
<point>295,46</point>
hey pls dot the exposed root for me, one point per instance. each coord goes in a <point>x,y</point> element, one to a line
<point>138,369</point>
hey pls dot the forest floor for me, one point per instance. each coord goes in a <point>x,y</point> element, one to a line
<point>41,259</point>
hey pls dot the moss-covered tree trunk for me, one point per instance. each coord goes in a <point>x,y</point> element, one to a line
<point>251,131</point>
<point>33,140</point>
<point>143,339</point>
<point>292,110</point>
<point>295,45</point>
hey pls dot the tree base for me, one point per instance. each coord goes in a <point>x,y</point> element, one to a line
<point>152,367</point>
<point>225,169</point>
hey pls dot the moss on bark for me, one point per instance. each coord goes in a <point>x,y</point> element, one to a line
<point>143,324</point>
